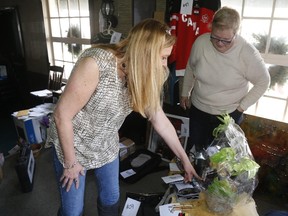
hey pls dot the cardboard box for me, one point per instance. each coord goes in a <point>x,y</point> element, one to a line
<point>127,147</point>
<point>30,129</point>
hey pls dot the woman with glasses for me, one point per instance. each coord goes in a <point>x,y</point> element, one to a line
<point>220,67</point>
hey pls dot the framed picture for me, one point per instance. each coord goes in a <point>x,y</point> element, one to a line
<point>157,145</point>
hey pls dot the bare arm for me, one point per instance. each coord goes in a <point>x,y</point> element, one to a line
<point>78,90</point>
<point>165,129</point>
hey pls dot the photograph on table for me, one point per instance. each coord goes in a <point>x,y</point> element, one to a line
<point>157,145</point>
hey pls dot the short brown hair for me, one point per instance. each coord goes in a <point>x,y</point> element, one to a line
<point>226,18</point>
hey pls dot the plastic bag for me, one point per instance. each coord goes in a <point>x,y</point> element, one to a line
<point>231,176</point>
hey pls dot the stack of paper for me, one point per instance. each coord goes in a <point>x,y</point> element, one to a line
<point>42,93</point>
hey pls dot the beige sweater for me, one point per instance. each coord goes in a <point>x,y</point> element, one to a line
<point>220,81</point>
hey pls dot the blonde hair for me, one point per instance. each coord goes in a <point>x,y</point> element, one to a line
<point>226,18</point>
<point>141,54</point>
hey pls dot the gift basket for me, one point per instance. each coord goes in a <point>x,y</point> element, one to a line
<point>230,176</point>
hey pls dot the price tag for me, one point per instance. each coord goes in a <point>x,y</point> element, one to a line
<point>131,207</point>
<point>115,38</point>
<point>127,173</point>
<point>168,210</point>
<point>186,7</point>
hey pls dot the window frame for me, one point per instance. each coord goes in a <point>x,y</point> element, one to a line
<point>63,39</point>
<point>273,59</point>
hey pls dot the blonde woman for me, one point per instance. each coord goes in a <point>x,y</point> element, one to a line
<point>106,84</point>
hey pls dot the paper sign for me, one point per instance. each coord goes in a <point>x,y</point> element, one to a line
<point>42,93</point>
<point>115,38</point>
<point>127,173</point>
<point>168,210</point>
<point>131,207</point>
<point>186,7</point>
<point>172,178</point>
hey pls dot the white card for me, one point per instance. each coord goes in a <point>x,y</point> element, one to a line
<point>181,186</point>
<point>167,210</point>
<point>172,178</point>
<point>131,207</point>
<point>115,38</point>
<point>186,7</point>
<point>127,173</point>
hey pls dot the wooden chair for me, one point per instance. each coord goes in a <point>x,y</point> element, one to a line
<point>55,77</point>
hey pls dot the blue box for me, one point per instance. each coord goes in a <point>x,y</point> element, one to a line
<point>30,129</point>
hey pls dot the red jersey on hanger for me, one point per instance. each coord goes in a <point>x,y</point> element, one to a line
<point>188,27</point>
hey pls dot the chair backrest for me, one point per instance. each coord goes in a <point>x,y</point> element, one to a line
<point>55,77</point>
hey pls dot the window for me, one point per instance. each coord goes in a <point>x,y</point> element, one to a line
<point>67,27</point>
<point>264,25</point>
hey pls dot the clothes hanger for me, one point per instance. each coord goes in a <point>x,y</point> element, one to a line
<point>108,31</point>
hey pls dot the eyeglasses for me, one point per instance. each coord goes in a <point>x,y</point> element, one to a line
<point>225,42</point>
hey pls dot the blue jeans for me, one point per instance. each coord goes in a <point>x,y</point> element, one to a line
<point>277,213</point>
<point>72,202</point>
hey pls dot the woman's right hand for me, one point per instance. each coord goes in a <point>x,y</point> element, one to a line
<point>189,172</point>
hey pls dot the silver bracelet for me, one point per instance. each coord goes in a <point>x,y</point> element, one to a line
<point>71,166</point>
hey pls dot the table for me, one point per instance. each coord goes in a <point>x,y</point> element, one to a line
<point>200,208</point>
